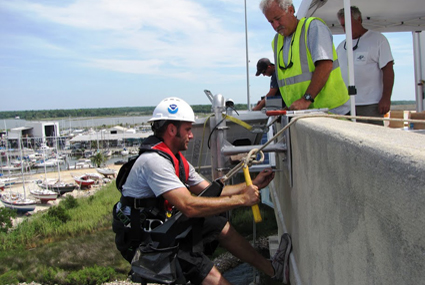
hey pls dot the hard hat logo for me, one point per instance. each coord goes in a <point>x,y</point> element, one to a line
<point>173,108</point>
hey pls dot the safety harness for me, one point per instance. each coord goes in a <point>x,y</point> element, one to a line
<point>145,209</point>
<point>158,244</point>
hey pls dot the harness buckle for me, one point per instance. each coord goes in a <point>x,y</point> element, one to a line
<point>135,204</point>
<point>148,223</point>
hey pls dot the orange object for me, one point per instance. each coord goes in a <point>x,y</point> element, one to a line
<point>276,113</point>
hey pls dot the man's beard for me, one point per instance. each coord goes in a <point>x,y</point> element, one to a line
<point>182,145</point>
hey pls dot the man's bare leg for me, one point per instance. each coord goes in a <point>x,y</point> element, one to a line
<point>237,245</point>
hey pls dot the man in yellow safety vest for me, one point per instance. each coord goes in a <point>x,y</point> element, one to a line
<point>307,67</point>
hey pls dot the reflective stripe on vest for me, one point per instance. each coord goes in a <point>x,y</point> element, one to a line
<point>294,81</point>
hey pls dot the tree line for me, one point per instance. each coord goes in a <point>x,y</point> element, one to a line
<point>97,112</point>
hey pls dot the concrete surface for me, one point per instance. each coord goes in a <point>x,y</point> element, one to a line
<point>356,211</point>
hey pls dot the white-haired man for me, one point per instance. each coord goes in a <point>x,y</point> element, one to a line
<point>373,68</point>
<point>308,72</point>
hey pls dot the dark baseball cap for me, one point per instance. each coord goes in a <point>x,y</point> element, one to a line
<point>262,65</point>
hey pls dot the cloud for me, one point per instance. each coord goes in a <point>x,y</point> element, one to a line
<point>181,32</point>
<point>83,48</point>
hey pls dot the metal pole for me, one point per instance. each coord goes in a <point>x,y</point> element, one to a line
<point>247,61</point>
<point>217,138</point>
<point>349,45</point>
<point>417,61</point>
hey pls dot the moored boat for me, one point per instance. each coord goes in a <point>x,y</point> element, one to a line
<point>82,164</point>
<point>124,152</point>
<point>84,181</point>
<point>107,172</point>
<point>18,202</point>
<point>44,195</point>
<point>93,175</point>
<point>52,162</point>
<point>9,180</point>
<point>58,186</point>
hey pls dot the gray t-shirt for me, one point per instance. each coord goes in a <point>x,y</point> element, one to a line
<point>319,41</point>
<point>153,175</point>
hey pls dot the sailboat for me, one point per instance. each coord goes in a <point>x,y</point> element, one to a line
<point>107,172</point>
<point>18,201</point>
<point>58,187</point>
<point>44,194</point>
<point>84,181</point>
<point>124,152</point>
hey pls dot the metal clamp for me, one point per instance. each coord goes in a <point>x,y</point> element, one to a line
<point>148,227</point>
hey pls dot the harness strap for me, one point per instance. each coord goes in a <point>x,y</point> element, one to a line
<point>135,203</point>
<point>135,217</point>
<point>136,230</point>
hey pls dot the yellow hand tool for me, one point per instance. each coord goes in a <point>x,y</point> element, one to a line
<point>255,208</point>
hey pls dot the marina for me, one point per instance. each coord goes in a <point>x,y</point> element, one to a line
<point>350,195</point>
<point>293,139</point>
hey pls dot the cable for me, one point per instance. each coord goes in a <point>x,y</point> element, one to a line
<point>254,151</point>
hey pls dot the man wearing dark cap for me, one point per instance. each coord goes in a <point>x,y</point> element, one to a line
<point>266,68</point>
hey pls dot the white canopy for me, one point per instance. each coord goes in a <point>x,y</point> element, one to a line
<point>383,16</point>
<point>379,15</point>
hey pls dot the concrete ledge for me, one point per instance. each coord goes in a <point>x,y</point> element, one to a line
<point>357,207</point>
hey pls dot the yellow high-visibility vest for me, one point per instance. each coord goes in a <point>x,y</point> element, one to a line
<point>293,81</point>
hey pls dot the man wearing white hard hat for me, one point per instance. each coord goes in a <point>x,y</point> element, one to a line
<point>165,174</point>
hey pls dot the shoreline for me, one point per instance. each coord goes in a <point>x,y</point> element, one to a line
<point>65,176</point>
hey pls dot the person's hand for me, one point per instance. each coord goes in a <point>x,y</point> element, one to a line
<point>384,106</point>
<point>263,178</point>
<point>251,195</point>
<point>260,105</point>
<point>300,104</point>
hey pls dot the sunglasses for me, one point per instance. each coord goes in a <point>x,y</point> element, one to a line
<point>355,47</point>
<point>290,64</point>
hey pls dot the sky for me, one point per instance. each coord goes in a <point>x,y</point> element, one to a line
<point>77,54</point>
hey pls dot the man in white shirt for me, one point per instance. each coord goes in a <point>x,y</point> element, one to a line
<point>373,68</point>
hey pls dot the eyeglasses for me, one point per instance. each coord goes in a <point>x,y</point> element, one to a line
<point>356,46</point>
<point>290,54</point>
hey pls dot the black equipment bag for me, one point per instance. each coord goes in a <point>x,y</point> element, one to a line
<point>156,264</point>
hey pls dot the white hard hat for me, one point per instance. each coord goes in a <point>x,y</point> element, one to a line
<point>174,109</point>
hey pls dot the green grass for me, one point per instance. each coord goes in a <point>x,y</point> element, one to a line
<point>73,243</point>
<point>86,215</point>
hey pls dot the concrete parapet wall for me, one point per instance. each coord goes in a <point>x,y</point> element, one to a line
<point>356,211</point>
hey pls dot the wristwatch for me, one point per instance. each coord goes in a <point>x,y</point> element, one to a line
<point>308,98</point>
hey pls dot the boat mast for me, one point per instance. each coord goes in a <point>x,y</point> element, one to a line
<point>6,139</point>
<point>57,153</point>
<point>247,61</point>
<point>22,165</point>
